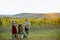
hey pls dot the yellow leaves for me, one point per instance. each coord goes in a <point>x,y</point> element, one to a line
<point>34,21</point>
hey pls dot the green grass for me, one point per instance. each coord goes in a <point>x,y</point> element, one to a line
<point>36,34</point>
<point>45,35</point>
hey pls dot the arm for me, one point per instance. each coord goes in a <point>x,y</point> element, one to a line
<point>29,25</point>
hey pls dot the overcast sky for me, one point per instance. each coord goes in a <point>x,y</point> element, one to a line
<point>11,7</point>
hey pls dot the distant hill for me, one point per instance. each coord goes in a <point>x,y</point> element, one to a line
<point>42,15</point>
<point>11,16</point>
<point>48,15</point>
<point>26,15</point>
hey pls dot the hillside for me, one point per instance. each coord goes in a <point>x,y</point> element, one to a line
<point>25,15</point>
<point>42,15</point>
<point>38,15</point>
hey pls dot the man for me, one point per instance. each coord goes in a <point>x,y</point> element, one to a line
<point>27,26</point>
<point>20,31</point>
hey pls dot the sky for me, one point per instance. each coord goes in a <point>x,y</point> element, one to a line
<point>12,7</point>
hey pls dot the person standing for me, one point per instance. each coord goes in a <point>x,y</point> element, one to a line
<point>27,26</point>
<point>14,30</point>
<point>20,31</point>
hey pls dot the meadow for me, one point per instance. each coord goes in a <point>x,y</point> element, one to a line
<point>41,29</point>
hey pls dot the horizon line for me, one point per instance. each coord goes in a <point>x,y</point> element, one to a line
<point>31,13</point>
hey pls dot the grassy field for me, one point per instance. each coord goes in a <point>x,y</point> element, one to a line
<point>37,33</point>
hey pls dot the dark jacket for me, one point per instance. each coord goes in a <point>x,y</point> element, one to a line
<point>20,29</point>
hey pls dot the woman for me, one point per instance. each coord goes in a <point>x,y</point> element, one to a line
<point>14,30</point>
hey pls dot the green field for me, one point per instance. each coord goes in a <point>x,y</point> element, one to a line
<point>36,33</point>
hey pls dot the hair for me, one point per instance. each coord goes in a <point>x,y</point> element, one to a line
<point>20,25</point>
<point>26,19</point>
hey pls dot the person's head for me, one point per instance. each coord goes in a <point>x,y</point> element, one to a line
<point>13,22</point>
<point>20,25</point>
<point>26,19</point>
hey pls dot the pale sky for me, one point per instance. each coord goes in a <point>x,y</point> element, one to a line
<point>11,7</point>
